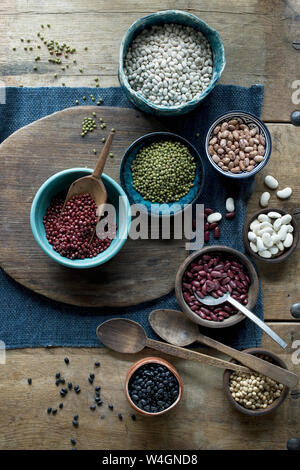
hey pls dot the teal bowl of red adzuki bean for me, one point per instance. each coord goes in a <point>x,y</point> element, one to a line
<point>215,270</point>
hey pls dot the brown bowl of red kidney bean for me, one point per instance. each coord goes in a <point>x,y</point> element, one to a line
<point>215,270</point>
<point>238,144</point>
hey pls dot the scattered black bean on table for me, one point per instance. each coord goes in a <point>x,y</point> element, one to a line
<point>29,380</point>
<point>153,388</point>
<point>67,360</point>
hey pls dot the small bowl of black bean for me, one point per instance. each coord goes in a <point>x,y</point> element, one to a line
<point>153,386</point>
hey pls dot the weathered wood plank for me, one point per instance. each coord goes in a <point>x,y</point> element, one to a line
<point>257,36</point>
<point>203,420</point>
<point>281,282</point>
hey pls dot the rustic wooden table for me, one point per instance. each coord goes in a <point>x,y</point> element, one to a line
<point>258,38</point>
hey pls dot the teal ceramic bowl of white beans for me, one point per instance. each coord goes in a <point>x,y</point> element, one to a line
<point>158,19</point>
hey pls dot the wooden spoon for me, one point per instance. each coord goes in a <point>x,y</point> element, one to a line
<point>127,336</point>
<point>93,184</point>
<point>174,326</point>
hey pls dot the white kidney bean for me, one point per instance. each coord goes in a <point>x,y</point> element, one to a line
<point>253,247</point>
<point>271,182</point>
<point>215,217</point>
<point>288,240</point>
<point>283,232</point>
<point>230,204</point>
<point>273,250</point>
<point>260,244</point>
<point>284,193</point>
<point>265,254</point>
<point>267,240</point>
<point>274,215</point>
<point>277,224</point>
<point>280,246</point>
<point>270,234</point>
<point>263,218</point>
<point>264,199</point>
<point>285,219</point>
<point>251,236</point>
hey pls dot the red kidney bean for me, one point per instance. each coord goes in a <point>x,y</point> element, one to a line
<point>208,211</point>
<point>206,236</point>
<point>230,215</point>
<point>215,276</point>
<point>217,232</point>
<point>213,225</point>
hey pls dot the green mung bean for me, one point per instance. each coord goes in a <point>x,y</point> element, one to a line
<point>163,172</point>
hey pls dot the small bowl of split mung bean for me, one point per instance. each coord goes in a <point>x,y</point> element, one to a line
<point>255,394</point>
<point>162,172</point>
<point>238,145</point>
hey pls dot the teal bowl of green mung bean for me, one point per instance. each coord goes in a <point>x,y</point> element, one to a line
<point>162,173</point>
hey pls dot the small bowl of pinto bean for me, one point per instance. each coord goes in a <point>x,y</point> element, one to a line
<point>255,394</point>
<point>214,270</point>
<point>238,145</point>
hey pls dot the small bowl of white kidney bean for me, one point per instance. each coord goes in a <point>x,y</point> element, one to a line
<point>214,270</point>
<point>238,145</point>
<point>271,235</point>
<point>255,394</point>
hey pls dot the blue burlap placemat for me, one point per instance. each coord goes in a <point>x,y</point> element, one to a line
<point>30,320</point>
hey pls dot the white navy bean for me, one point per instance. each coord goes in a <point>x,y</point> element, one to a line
<point>264,199</point>
<point>230,203</point>
<point>271,182</point>
<point>288,240</point>
<point>215,217</point>
<point>284,193</point>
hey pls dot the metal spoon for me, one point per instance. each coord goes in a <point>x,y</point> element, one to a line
<point>226,297</point>
<point>176,328</point>
<point>127,336</point>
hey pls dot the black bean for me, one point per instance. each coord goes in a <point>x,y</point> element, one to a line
<point>99,403</point>
<point>49,410</point>
<point>67,360</point>
<point>111,407</point>
<point>73,441</point>
<point>120,416</point>
<point>97,364</point>
<point>78,390</point>
<point>133,417</point>
<point>70,385</point>
<point>76,387</point>
<point>29,380</point>
<point>93,407</point>
<point>75,423</point>
<point>57,375</point>
<point>61,405</point>
<point>92,375</point>
<point>76,417</point>
<point>98,388</point>
<point>91,380</point>
<point>54,411</point>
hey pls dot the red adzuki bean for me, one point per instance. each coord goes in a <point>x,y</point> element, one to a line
<point>230,215</point>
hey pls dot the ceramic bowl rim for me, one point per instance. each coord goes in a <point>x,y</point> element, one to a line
<point>267,135</point>
<point>89,262</point>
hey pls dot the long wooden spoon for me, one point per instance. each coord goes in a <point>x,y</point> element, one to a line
<point>93,184</point>
<point>173,326</point>
<point>127,336</point>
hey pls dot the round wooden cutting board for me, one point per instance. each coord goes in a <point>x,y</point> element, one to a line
<point>143,270</point>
